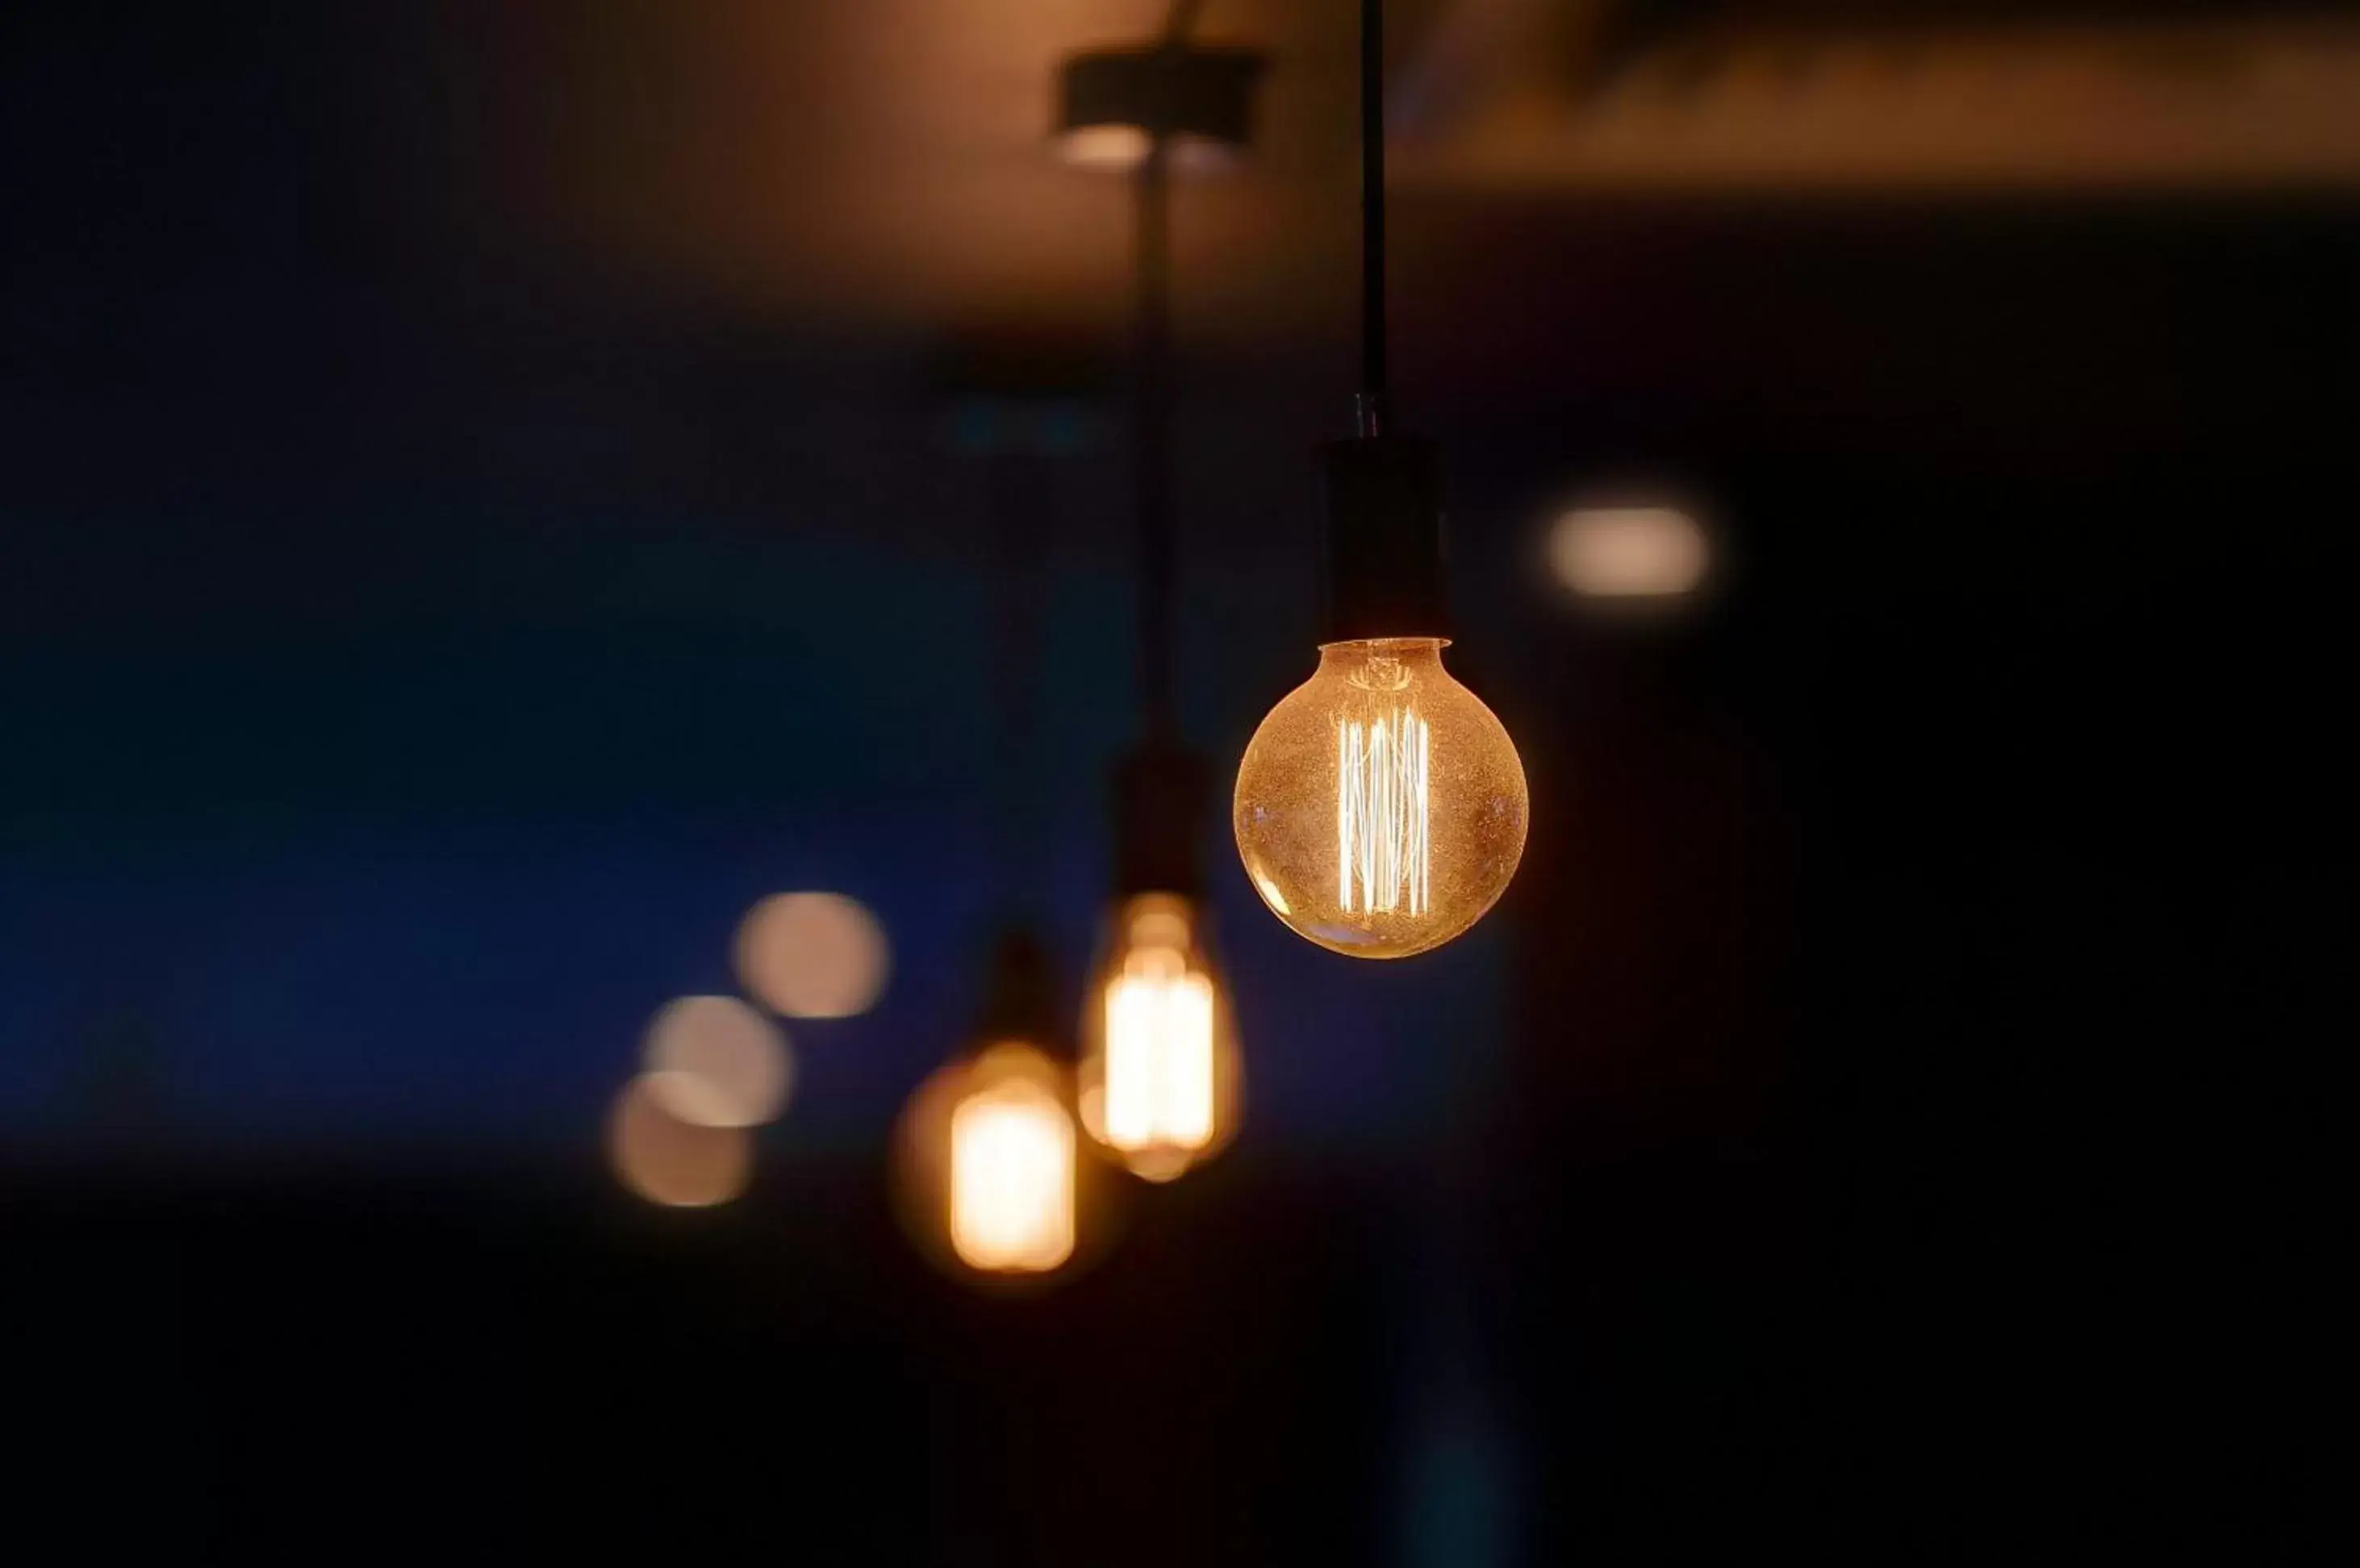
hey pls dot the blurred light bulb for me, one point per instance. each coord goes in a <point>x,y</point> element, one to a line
<point>1011,1166</point>
<point>1159,1025</point>
<point>1159,1076</point>
<point>1381,807</point>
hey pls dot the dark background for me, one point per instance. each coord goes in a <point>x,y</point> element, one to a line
<point>1877,1123</point>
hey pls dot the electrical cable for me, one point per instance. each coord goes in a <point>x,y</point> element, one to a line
<point>1151,439</point>
<point>1374,414</point>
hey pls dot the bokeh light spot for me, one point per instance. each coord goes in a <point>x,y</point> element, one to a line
<point>672,1162</point>
<point>1629,552</point>
<point>1118,148</point>
<point>811,955</point>
<point>714,1062</point>
<point>1109,147</point>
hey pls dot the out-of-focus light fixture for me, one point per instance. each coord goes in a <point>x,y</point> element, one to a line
<point>1159,1081</point>
<point>713,1061</point>
<point>985,1148</point>
<point>1010,1205</point>
<point>1113,105</point>
<point>673,1163</point>
<point>1644,554</point>
<point>1381,808</point>
<point>1161,1077</point>
<point>1157,1012</point>
<point>985,1168</point>
<point>811,955</point>
<point>1158,1085</point>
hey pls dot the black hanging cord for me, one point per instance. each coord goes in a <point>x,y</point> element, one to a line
<point>1151,439</point>
<point>1385,518</point>
<point>1152,411</point>
<point>1018,491</point>
<point>1157,786</point>
<point>1179,19</point>
<point>1374,416</point>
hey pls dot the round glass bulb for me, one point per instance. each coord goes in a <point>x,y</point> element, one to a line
<point>1381,807</point>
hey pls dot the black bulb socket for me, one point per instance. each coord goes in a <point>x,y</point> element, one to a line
<point>1384,539</point>
<point>1159,799</point>
<point>1019,995</point>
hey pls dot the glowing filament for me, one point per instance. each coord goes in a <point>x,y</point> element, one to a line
<point>1159,1053</point>
<point>1380,814</point>
<point>1012,1179</point>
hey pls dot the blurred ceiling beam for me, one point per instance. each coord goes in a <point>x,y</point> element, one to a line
<point>1706,97</point>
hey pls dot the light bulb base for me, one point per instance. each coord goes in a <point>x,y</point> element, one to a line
<point>1020,996</point>
<point>1384,540</point>
<point>1159,801</point>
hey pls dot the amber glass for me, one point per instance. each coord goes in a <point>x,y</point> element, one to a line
<point>1381,807</point>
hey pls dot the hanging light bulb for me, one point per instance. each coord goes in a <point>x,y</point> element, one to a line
<point>986,1160</point>
<point>986,1176</point>
<point>1011,1201</point>
<point>1158,1085</point>
<point>1160,1078</point>
<point>1159,1075</point>
<point>1381,808</point>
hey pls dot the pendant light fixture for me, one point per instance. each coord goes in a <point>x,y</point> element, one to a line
<point>988,1170</point>
<point>1159,1074</point>
<point>986,1150</point>
<point>1190,103</point>
<point>1381,807</point>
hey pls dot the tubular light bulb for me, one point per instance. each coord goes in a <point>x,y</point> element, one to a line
<point>1011,1167</point>
<point>1381,807</point>
<point>1158,1066</point>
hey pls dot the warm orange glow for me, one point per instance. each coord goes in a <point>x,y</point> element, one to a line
<point>1110,147</point>
<point>714,1062</point>
<point>1159,1076</point>
<point>672,1162</point>
<point>1381,808</point>
<point>1384,814</point>
<point>811,955</point>
<point>1629,552</point>
<point>1159,1071</point>
<point>1012,1169</point>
